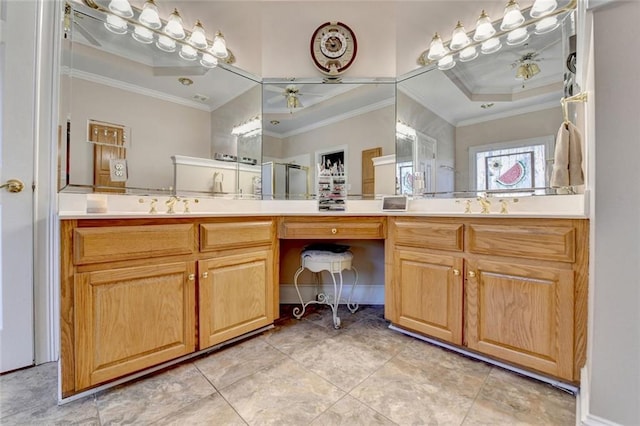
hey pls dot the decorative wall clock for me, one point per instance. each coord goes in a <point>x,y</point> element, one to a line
<point>333,48</point>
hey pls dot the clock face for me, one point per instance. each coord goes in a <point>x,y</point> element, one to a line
<point>333,48</point>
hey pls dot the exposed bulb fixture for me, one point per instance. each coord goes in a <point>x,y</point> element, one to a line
<point>149,16</point>
<point>142,34</point>
<point>517,36</point>
<point>219,46</point>
<point>174,27</point>
<point>198,38</point>
<point>446,63</point>
<point>484,28</point>
<point>248,128</point>
<point>546,25</point>
<point>405,130</point>
<point>513,18</point>
<point>116,24</point>
<point>188,53</point>
<point>490,46</point>
<point>121,8</point>
<point>208,60</point>
<point>436,49</point>
<point>459,38</point>
<point>468,54</point>
<point>542,7</point>
<point>166,44</point>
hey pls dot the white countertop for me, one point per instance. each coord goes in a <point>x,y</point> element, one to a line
<point>73,206</point>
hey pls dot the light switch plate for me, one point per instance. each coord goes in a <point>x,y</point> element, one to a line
<point>118,169</point>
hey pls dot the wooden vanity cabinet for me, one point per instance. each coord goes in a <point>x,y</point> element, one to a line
<point>136,293</point>
<point>521,292</point>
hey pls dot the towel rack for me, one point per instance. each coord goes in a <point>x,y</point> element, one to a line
<point>580,97</point>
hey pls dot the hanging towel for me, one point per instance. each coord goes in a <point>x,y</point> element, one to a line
<point>567,163</point>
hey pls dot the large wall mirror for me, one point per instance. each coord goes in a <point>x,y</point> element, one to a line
<point>488,124</point>
<point>136,119</point>
<point>313,125</point>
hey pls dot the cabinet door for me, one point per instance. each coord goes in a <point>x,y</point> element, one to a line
<point>523,314</point>
<point>428,294</point>
<point>132,318</point>
<point>235,295</point>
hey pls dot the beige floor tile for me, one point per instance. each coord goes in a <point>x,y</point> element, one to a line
<point>210,410</point>
<point>283,394</point>
<point>350,412</point>
<point>29,388</point>
<point>296,334</point>
<point>233,363</point>
<point>154,397</point>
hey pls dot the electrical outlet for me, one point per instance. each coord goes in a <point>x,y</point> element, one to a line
<point>118,169</point>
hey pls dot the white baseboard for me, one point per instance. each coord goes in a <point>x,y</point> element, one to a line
<point>364,294</point>
<point>583,417</point>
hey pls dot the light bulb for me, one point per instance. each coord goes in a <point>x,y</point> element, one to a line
<point>436,49</point>
<point>142,34</point>
<point>513,18</point>
<point>446,63</point>
<point>484,28</point>
<point>490,46</point>
<point>188,53</point>
<point>208,60</point>
<point>116,24</point>
<point>546,25</point>
<point>149,15</point>
<point>198,39</point>
<point>121,8</point>
<point>219,46</point>
<point>174,26</point>
<point>468,54</point>
<point>166,44</point>
<point>459,38</point>
<point>517,36</point>
<point>542,7</point>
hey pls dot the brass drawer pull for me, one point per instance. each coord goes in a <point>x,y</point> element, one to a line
<point>334,231</point>
<point>456,272</point>
<point>192,277</point>
<point>472,274</point>
<point>205,274</point>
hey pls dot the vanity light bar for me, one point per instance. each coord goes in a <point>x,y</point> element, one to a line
<point>146,27</point>
<point>463,46</point>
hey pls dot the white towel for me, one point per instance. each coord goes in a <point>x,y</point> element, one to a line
<point>567,163</point>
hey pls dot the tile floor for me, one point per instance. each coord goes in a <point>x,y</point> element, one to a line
<point>304,373</point>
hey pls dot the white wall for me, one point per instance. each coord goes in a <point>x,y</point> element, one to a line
<point>614,349</point>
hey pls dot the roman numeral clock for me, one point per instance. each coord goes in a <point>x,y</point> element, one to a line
<point>333,48</point>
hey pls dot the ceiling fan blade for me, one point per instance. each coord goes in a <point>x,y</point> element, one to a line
<point>311,94</point>
<point>274,99</point>
<point>272,88</point>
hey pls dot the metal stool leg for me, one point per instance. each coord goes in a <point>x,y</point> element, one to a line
<point>337,291</point>
<point>353,307</point>
<point>298,312</point>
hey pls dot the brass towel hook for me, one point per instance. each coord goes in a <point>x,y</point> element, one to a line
<point>580,97</point>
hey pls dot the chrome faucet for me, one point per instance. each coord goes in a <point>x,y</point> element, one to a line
<point>171,202</point>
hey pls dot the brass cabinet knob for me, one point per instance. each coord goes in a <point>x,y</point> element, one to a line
<point>205,274</point>
<point>334,231</point>
<point>192,277</point>
<point>472,274</point>
<point>456,272</point>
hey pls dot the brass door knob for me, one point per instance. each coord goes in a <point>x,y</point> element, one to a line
<point>456,272</point>
<point>13,185</point>
<point>472,274</point>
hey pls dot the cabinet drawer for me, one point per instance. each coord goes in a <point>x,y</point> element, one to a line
<point>332,228</point>
<point>113,243</point>
<point>224,235</point>
<point>418,233</point>
<point>531,242</point>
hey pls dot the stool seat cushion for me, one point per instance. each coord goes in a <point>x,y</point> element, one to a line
<point>321,260</point>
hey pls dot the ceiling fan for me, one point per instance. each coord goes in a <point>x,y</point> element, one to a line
<point>290,94</point>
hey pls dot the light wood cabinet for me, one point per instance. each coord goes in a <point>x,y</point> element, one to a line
<point>136,293</point>
<point>520,296</point>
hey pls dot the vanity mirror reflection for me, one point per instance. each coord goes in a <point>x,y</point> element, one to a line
<point>488,123</point>
<point>312,124</point>
<point>135,118</point>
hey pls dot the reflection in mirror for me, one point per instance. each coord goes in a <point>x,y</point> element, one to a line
<point>143,120</point>
<point>491,121</point>
<point>309,125</point>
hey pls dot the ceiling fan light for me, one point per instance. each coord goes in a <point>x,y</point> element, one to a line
<point>490,46</point>
<point>542,7</point>
<point>513,18</point>
<point>219,46</point>
<point>484,28</point>
<point>166,44</point>
<point>188,53</point>
<point>208,60</point>
<point>468,54</point>
<point>116,24</point>
<point>198,38</point>
<point>459,38</point>
<point>142,34</point>
<point>174,27</point>
<point>436,49</point>
<point>446,63</point>
<point>546,25</point>
<point>150,16</point>
<point>121,8</point>
<point>517,36</point>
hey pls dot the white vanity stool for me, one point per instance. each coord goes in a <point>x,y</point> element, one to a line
<point>317,261</point>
